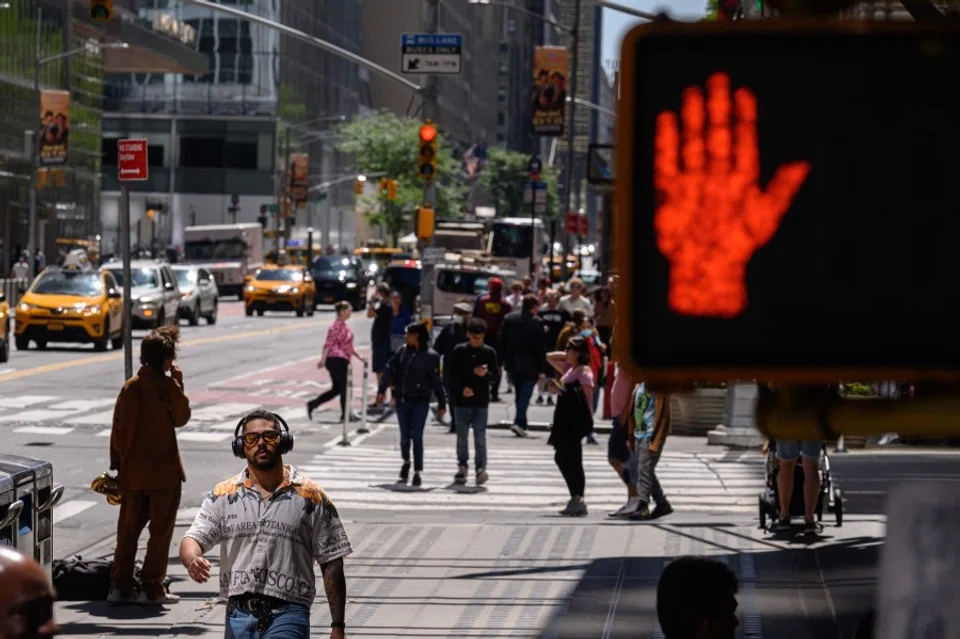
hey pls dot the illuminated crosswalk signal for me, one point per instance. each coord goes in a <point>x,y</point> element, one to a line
<point>101,9</point>
<point>358,186</point>
<point>756,216</point>
<point>427,159</point>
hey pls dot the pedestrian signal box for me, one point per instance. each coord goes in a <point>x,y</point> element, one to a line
<point>787,202</point>
<point>101,9</point>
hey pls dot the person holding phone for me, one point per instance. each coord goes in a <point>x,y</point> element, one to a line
<point>144,452</point>
<point>469,368</point>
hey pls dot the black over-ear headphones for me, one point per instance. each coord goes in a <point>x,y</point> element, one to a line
<point>286,438</point>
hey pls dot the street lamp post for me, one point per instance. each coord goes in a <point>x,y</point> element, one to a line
<point>39,62</point>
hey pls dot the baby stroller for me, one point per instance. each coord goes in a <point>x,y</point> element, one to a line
<point>769,500</point>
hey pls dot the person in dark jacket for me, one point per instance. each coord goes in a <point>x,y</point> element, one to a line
<point>524,356</point>
<point>380,311</point>
<point>450,337</point>
<point>468,368</point>
<point>414,373</point>
<point>492,309</point>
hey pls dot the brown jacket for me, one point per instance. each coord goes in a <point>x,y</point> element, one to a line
<point>143,443</point>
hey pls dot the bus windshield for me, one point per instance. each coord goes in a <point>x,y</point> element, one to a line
<point>511,240</point>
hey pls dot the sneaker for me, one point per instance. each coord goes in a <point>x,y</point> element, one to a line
<point>495,398</point>
<point>539,401</point>
<point>627,509</point>
<point>575,508</point>
<point>641,514</point>
<point>461,477</point>
<point>309,411</point>
<point>162,598</point>
<point>519,431</point>
<point>812,528</point>
<point>118,596</point>
<point>482,477</point>
<point>662,510</point>
<point>416,480</point>
<point>782,525</point>
<point>592,440</point>
<point>550,401</point>
<point>404,473</point>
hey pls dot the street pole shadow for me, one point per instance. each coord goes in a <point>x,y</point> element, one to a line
<point>403,488</point>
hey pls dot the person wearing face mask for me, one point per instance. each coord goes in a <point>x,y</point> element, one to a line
<point>26,604</point>
<point>144,452</point>
<point>414,373</point>
<point>449,338</point>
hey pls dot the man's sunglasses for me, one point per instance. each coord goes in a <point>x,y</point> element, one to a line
<point>268,437</point>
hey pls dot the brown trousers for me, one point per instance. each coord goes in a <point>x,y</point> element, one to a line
<point>137,507</point>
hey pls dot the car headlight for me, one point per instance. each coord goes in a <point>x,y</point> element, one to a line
<point>187,295</point>
<point>281,289</point>
<point>251,289</point>
<point>26,307</point>
<point>295,290</point>
<point>351,285</point>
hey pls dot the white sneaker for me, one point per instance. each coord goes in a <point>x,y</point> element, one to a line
<point>116,596</point>
<point>632,505</point>
<point>164,598</point>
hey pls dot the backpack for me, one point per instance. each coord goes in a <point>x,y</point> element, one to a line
<point>596,361</point>
<point>77,579</point>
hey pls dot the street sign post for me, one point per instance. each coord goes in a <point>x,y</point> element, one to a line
<point>540,201</point>
<point>132,166</point>
<point>533,170</point>
<point>430,53</point>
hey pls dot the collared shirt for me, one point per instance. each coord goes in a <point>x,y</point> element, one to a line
<point>268,546</point>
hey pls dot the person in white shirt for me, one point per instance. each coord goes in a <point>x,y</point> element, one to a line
<point>21,270</point>
<point>576,300</point>
<point>516,295</point>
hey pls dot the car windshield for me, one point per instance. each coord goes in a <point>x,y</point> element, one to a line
<point>185,277</point>
<point>331,264</point>
<point>66,283</point>
<point>278,275</point>
<point>462,283</point>
<point>400,277</point>
<point>138,277</point>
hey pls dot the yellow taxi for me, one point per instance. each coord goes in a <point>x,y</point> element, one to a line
<point>280,288</point>
<point>73,303</point>
<point>4,328</point>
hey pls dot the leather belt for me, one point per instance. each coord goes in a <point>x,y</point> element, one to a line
<point>257,603</point>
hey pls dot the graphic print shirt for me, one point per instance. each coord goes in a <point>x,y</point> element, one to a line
<point>268,546</point>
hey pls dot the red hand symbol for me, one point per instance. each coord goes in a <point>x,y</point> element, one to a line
<point>711,215</point>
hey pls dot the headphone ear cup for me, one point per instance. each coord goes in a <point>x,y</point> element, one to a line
<point>237,447</point>
<point>286,442</point>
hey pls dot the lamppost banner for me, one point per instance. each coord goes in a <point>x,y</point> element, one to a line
<point>550,68</point>
<point>54,127</point>
<point>299,178</point>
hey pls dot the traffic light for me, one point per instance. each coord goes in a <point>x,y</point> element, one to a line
<point>427,161</point>
<point>101,9</point>
<point>765,227</point>
<point>424,221</point>
<point>384,187</point>
<point>391,190</point>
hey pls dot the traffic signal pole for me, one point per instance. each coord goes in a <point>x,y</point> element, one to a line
<point>430,112</point>
<point>568,183</point>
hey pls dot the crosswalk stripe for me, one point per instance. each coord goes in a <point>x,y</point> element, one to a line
<point>188,436</point>
<point>220,412</point>
<point>37,415</point>
<point>527,480</point>
<point>23,401</point>
<point>43,430</point>
<point>83,404</point>
<point>103,418</point>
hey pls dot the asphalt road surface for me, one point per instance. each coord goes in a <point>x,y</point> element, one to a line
<point>444,560</point>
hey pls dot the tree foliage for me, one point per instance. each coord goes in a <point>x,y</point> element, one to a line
<point>504,178</point>
<point>711,10</point>
<point>385,142</point>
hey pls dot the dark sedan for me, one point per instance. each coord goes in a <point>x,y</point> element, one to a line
<point>340,278</point>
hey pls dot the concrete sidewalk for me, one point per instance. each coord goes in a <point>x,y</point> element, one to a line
<point>544,577</point>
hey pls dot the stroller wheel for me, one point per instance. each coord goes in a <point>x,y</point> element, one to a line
<point>838,507</point>
<point>762,508</point>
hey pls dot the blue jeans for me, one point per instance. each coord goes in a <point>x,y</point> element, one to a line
<point>524,388</point>
<point>291,622</point>
<point>412,417</point>
<point>476,417</point>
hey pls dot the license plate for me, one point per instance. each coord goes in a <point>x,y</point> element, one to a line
<point>271,300</point>
<point>54,326</point>
<point>327,298</point>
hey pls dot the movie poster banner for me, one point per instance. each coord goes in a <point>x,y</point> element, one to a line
<point>550,68</point>
<point>299,164</point>
<point>54,127</point>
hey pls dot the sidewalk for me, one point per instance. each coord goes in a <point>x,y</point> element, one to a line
<point>551,577</point>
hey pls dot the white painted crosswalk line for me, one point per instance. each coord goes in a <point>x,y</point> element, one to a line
<point>23,401</point>
<point>103,418</point>
<point>191,436</point>
<point>70,508</point>
<point>84,405</point>
<point>43,430</point>
<point>528,480</point>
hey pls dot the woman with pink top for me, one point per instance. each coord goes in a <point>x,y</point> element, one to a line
<point>337,351</point>
<point>572,418</point>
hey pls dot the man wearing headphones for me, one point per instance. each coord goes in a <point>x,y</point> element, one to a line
<point>272,523</point>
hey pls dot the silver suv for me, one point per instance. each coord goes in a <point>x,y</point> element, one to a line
<point>153,290</point>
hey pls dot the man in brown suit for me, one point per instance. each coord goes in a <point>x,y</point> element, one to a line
<point>143,451</point>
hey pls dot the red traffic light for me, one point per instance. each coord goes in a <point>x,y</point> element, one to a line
<point>428,133</point>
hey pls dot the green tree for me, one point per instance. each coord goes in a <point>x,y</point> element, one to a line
<point>385,142</point>
<point>712,8</point>
<point>504,178</point>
